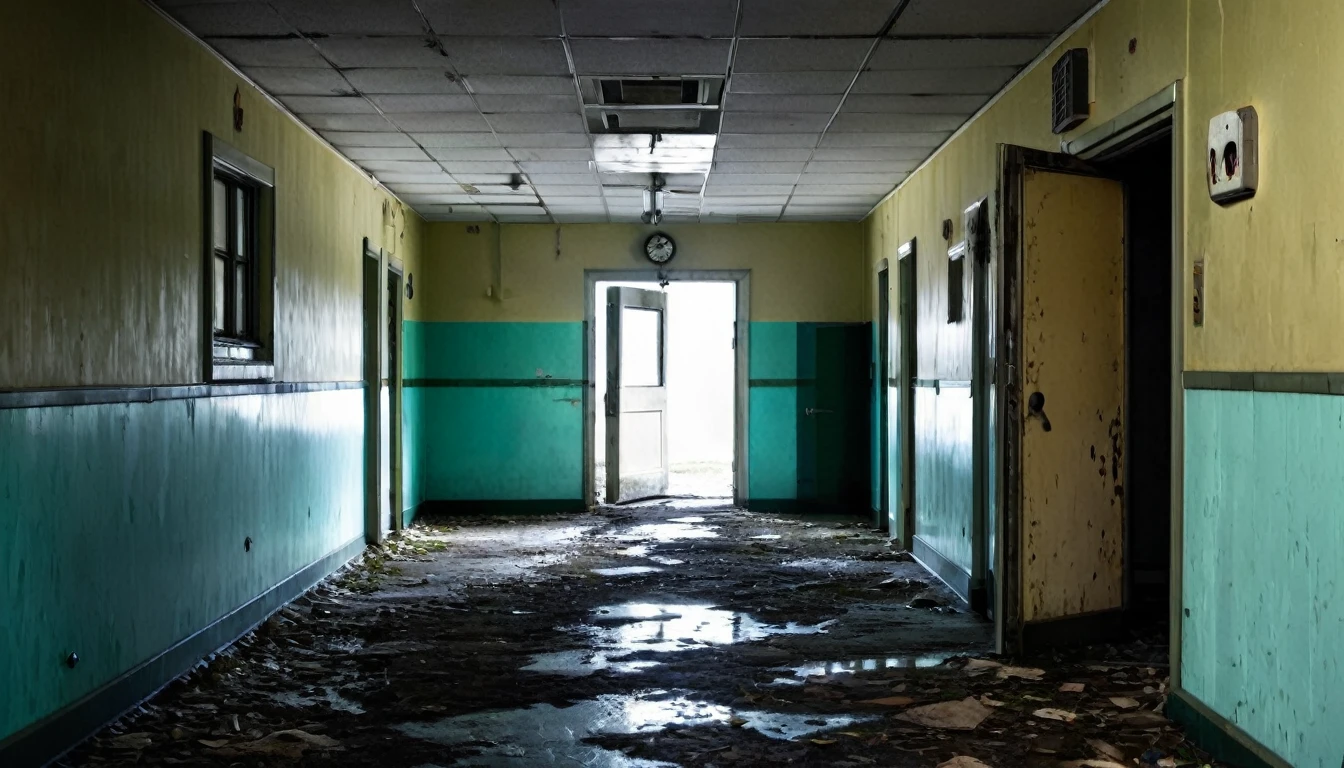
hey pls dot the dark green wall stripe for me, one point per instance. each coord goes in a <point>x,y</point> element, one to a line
<point>1331,383</point>
<point>494,383</point>
<point>50,398</point>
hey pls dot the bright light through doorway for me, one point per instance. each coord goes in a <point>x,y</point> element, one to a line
<point>700,373</point>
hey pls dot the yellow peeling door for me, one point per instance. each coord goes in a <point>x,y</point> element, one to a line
<point>1071,415</point>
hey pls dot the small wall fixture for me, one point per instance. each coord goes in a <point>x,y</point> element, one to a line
<point>1233,164</point>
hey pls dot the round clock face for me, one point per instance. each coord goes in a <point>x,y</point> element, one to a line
<point>659,248</point>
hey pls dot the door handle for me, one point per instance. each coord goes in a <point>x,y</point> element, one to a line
<point>1036,407</point>
<point>815,411</point>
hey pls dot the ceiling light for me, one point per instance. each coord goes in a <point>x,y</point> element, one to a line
<point>653,201</point>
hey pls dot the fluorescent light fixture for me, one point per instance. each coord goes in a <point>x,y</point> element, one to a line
<point>654,152</point>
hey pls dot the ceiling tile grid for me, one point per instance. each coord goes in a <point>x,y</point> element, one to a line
<point>474,110</point>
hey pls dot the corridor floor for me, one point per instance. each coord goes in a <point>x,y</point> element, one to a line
<point>681,633</point>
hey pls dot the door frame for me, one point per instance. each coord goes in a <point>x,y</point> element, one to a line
<point>907,359</point>
<point>741,278</point>
<point>1111,138</point>
<point>882,375</point>
<point>380,271</point>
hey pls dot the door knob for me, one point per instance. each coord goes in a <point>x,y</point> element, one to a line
<point>815,411</point>
<point>1036,407</point>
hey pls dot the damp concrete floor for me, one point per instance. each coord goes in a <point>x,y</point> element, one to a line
<point>681,633</point>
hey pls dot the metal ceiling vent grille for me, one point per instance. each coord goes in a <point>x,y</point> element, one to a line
<point>655,104</point>
<point>1069,102</point>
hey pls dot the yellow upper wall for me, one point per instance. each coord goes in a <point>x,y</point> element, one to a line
<point>100,205</point>
<point>966,169</point>
<point>799,272</point>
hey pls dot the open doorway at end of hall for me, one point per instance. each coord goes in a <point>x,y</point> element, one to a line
<point>685,343</point>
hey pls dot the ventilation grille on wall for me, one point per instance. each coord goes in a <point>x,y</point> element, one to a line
<point>644,105</point>
<point>1069,101</point>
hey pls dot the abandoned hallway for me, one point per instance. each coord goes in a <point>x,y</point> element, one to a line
<point>946,383</point>
<point>679,633</point>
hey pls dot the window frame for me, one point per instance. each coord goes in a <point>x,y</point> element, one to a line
<point>242,353</point>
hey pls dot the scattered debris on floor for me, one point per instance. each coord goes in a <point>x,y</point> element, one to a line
<point>675,634</point>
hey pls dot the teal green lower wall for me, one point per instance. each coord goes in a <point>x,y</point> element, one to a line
<point>122,527</point>
<point>412,446</point>
<point>1262,639</point>
<point>772,437</point>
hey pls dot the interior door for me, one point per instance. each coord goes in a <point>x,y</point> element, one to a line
<point>902,385</point>
<point>1063,229</point>
<point>835,416</point>
<point>636,408</point>
<point>882,375</point>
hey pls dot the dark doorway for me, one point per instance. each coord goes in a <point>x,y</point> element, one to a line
<point>1146,169</point>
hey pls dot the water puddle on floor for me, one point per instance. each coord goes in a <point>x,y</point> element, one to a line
<point>629,570</point>
<point>767,537</point>
<point>584,663</point>
<point>687,520</point>
<point>670,531</point>
<point>666,560</point>
<point>547,735</point>
<point>827,668</point>
<point>666,628</point>
<point>331,698</point>
<point>641,550</point>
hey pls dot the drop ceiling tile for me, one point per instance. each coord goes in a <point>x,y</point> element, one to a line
<point>424,189</point>
<point>403,166</point>
<point>863,179</point>
<point>650,57</point>
<point>917,105</point>
<point>524,85</point>
<point>461,198</point>
<point>726,167</point>
<point>836,200</point>
<point>520,219</point>
<point>778,154</point>
<point>874,122</point>
<point>622,18</point>
<point>544,140</point>
<point>872,154</point>
<point>526,122</point>
<point>424,102</point>
<point>266,52</point>
<point>743,210</point>
<point>555,154</point>
<point>230,19</point>
<point>508,103</point>
<point>396,52</point>
<point>493,184</point>
<point>354,139</point>
<point>782,102</point>
<point>437,179</point>
<point>956,53</point>
<point>800,55</point>
<point>506,207</point>
<point>720,180</point>
<point>982,80</point>
<point>373,122</point>
<point>351,17</point>
<point>712,201</point>
<point>557,201</point>
<point>857,140</point>
<point>765,122</point>
<point>791,82</point>
<point>507,56</point>
<point>384,153</point>
<point>434,209</point>
<point>529,18</point>
<point>437,140</point>
<point>460,215</point>
<point>887,167</point>
<point>567,191</point>
<point>815,17</point>
<point>328,105</point>
<point>597,216</point>
<point>431,80</point>
<point>463,169</point>
<point>768,140</point>
<point>752,191</point>
<point>471,155</point>
<point>622,193</point>
<point>563,179</point>
<point>989,17</point>
<point>547,167</point>
<point>439,122</point>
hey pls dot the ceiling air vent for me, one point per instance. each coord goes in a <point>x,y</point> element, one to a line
<point>1069,98</point>
<point>647,105</point>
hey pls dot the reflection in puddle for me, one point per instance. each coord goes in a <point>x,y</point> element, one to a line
<point>584,663</point>
<point>629,570</point>
<point>687,520</point>
<point>546,735</point>
<point>823,668</point>
<point>667,560</point>
<point>767,537</point>
<point>666,628</point>
<point>668,532</point>
<point>638,551</point>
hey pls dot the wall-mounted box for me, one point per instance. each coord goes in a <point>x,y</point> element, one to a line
<point>1233,164</point>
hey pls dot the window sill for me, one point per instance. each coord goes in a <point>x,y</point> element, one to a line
<point>230,370</point>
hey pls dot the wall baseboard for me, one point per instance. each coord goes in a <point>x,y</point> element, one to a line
<point>48,739</point>
<point>456,508</point>
<point>806,507</point>
<point>1224,741</point>
<point>1084,629</point>
<point>949,572</point>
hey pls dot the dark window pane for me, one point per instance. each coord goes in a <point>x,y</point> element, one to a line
<point>240,299</point>
<point>220,215</point>
<point>242,213</point>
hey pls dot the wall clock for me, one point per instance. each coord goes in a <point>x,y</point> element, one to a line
<point>659,248</point>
